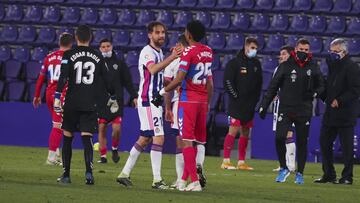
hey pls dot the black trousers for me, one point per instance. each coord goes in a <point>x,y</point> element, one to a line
<point>302,126</point>
<point>327,138</point>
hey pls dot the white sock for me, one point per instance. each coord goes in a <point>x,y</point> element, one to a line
<point>58,152</point>
<point>52,155</point>
<point>290,155</point>
<point>179,163</point>
<point>131,161</point>
<point>227,160</point>
<point>200,155</point>
<point>156,157</point>
<point>241,162</point>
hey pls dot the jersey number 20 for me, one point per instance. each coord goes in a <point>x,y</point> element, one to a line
<point>89,77</point>
<point>200,77</point>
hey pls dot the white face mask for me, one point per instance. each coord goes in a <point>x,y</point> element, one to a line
<point>107,54</point>
<point>252,53</point>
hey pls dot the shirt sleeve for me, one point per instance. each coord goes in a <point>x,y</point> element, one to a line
<point>44,67</point>
<point>147,58</point>
<point>169,72</point>
<point>185,60</point>
<point>64,72</point>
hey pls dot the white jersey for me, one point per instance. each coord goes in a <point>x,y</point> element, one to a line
<point>170,73</point>
<point>149,84</point>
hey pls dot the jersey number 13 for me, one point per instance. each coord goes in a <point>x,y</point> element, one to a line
<point>89,67</point>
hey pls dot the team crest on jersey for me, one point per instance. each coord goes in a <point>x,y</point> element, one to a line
<point>280,118</point>
<point>293,76</point>
<point>157,130</point>
<point>307,123</point>
<point>243,70</point>
<point>308,72</point>
<point>115,66</point>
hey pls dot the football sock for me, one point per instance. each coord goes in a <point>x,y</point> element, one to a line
<point>52,155</point>
<point>66,154</point>
<point>156,156</point>
<point>228,145</point>
<point>55,139</point>
<point>133,156</point>
<point>290,154</point>
<point>114,142</point>
<point>103,151</point>
<point>200,155</point>
<point>179,163</point>
<point>88,152</point>
<point>190,164</point>
<point>242,145</point>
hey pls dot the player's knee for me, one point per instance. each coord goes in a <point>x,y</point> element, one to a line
<point>143,141</point>
<point>245,132</point>
<point>116,130</point>
<point>159,140</point>
<point>233,131</point>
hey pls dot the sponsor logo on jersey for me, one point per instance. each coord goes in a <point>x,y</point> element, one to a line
<point>308,72</point>
<point>64,61</point>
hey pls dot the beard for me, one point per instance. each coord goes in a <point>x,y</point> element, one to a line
<point>159,42</point>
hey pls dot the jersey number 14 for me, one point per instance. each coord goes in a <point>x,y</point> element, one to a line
<point>89,67</point>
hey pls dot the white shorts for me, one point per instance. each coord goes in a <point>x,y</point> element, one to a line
<point>151,120</point>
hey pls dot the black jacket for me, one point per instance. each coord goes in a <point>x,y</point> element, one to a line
<point>243,82</point>
<point>343,84</point>
<point>296,87</point>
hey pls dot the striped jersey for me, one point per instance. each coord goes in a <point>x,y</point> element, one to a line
<point>170,73</point>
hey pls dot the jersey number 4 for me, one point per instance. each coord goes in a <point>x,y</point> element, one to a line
<point>89,67</point>
<point>201,75</point>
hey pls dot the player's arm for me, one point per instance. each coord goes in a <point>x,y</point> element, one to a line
<point>127,82</point>
<point>39,83</point>
<point>229,79</point>
<point>210,89</point>
<point>156,67</point>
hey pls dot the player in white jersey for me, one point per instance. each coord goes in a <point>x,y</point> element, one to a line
<point>151,65</point>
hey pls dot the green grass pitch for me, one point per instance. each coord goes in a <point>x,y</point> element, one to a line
<point>24,177</point>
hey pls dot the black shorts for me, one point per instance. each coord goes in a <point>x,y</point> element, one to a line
<point>80,121</point>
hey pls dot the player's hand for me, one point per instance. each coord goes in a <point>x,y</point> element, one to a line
<point>135,103</point>
<point>335,103</point>
<point>157,100</point>
<point>262,113</point>
<point>169,116</point>
<point>176,51</point>
<point>112,103</point>
<point>36,102</point>
<point>57,103</point>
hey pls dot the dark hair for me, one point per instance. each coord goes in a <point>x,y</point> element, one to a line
<point>83,33</point>
<point>250,40</point>
<point>287,48</point>
<point>196,29</point>
<point>151,25</point>
<point>104,40</point>
<point>66,39</point>
<point>182,40</point>
<point>302,41</point>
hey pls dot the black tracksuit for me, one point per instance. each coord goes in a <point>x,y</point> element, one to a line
<point>343,84</point>
<point>243,82</point>
<point>296,86</point>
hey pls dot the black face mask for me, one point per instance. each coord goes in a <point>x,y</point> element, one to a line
<point>301,55</point>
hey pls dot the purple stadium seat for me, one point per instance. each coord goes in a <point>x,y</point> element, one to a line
<point>323,67</point>
<point>74,1</point>
<point>16,91</point>
<point>27,33</point>
<point>126,17</point>
<point>52,14</point>
<point>173,38</point>
<point>235,42</point>
<point>138,39</point>
<point>32,70</point>
<point>89,16</point>
<point>206,3</point>
<point>215,65</point>
<point>33,14</point>
<point>323,5</point>
<point>317,24</point>
<point>93,2</point>
<point>316,44</point>
<point>108,16</point>
<point>266,80</point>
<point>101,34</point>
<point>299,23</point>
<point>218,77</point>
<point>261,41</point>
<point>225,3</point>
<point>132,58</point>
<point>55,1</point>
<point>260,22</point>
<point>279,22</point>
<point>5,53</point>
<point>169,3</point>
<point>46,35</point>
<point>130,2</point>
<point>222,20</point>
<point>302,5</point>
<point>187,3</point>
<point>245,4</point>
<point>121,38</point>
<point>71,15</point>
<point>12,70</point>
<point>134,71</point>
<point>9,33</point>
<point>149,2</point>
<point>240,21</point>
<point>119,54</point>
<point>292,39</point>
<point>22,54</point>
<point>182,18</point>
<point>342,6</point>
<point>326,45</point>
<point>39,53</point>
<point>166,17</point>
<point>216,40</point>
<point>354,26</point>
<point>264,4</point>
<point>62,30</point>
<point>145,16</point>
<point>354,46</point>
<point>355,8</point>
<point>214,103</point>
<point>204,17</point>
<point>226,59</point>
<point>283,5</point>
<point>269,63</point>
<point>31,91</point>
<point>2,11</point>
<point>2,85</point>
<point>336,25</point>
<point>14,12</point>
<point>112,2</point>
<point>274,43</point>
<point>221,119</point>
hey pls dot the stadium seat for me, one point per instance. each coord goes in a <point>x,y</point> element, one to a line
<point>39,53</point>
<point>279,22</point>
<point>355,8</point>
<point>62,30</point>
<point>112,2</point>
<point>22,54</point>
<point>260,22</point>
<point>317,24</point>
<point>323,67</point>
<point>132,58</point>
<point>235,42</point>
<point>302,5</point>
<point>2,11</point>
<point>354,46</point>
<point>108,16</point>
<point>226,59</point>
<point>31,91</point>
<point>274,43</point>
<point>336,25</point>
<point>215,99</point>
<point>222,20</point>
<point>225,3</point>
<point>326,45</point>
<point>240,21</point>
<point>173,39</point>
<point>269,63</point>
<point>89,16</point>
<point>14,13</point>
<point>16,91</point>
<point>342,6</point>
<point>216,40</point>
<point>93,2</point>
<point>145,16</point>
<point>5,53</point>
<point>149,2</point>
<point>169,3</point>
<point>52,14</point>
<point>74,1</point>
<point>354,26</point>
<point>121,38</point>
<point>9,33</point>
<point>299,23</point>
<point>166,17</point>
<point>215,65</point>
<point>126,17</point>
<point>206,3</point>
<point>261,41</point>
<point>283,5</point>
<point>32,70</point>
<point>2,87</point>
<point>12,70</point>
<point>101,34</point>
<point>27,33</point>
<point>266,80</point>
<point>33,14</point>
<point>264,4</point>
<point>71,15</point>
<point>316,44</point>
<point>55,1</point>
<point>323,5</point>
<point>204,17</point>
<point>218,77</point>
<point>221,119</point>
<point>182,18</point>
<point>292,39</point>
<point>245,4</point>
<point>187,3</point>
<point>134,71</point>
<point>138,39</point>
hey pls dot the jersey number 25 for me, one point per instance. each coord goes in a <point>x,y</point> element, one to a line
<point>201,75</point>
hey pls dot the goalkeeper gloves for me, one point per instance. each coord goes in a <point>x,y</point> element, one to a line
<point>112,103</point>
<point>57,102</point>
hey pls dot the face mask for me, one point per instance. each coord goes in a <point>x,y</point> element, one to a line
<point>301,55</point>
<point>251,53</point>
<point>335,56</point>
<point>107,54</point>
